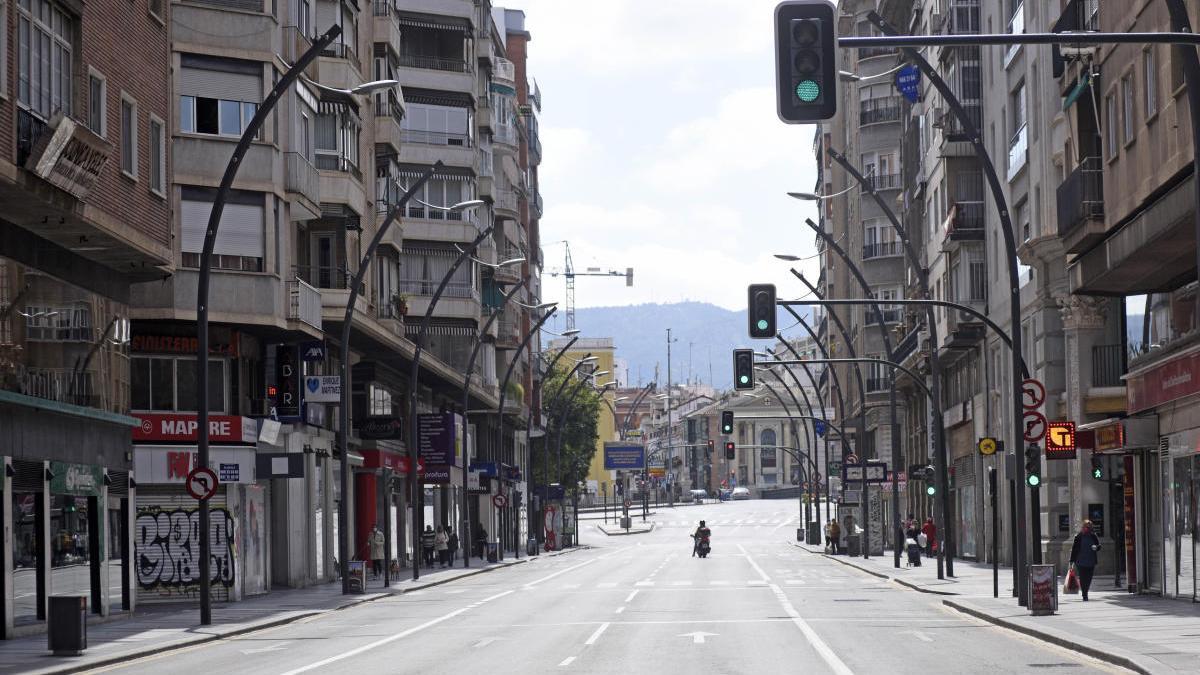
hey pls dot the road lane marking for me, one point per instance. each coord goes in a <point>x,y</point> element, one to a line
<point>644,583</point>
<point>620,609</point>
<point>485,642</point>
<point>831,659</point>
<point>572,568</point>
<point>685,582</point>
<point>719,583</point>
<point>698,636</point>
<point>393,638</point>
<point>596,636</point>
<point>631,596</point>
<point>567,661</point>
<point>753,564</point>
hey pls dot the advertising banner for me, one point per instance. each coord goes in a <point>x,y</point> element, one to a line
<point>438,438</point>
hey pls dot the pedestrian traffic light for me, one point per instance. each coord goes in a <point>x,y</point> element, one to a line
<point>730,450</point>
<point>761,312</point>
<point>743,369</point>
<point>726,422</point>
<point>806,71</point>
<point>1033,466</point>
<point>1097,468</point>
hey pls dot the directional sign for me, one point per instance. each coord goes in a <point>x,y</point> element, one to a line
<point>876,472</point>
<point>835,465</point>
<point>819,427</point>
<point>1035,426</point>
<point>1060,440</point>
<point>1033,393</point>
<point>987,445</point>
<point>202,483</point>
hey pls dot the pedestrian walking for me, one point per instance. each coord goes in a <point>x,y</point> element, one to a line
<point>452,543</point>
<point>1084,554</point>
<point>835,536</point>
<point>930,532</point>
<point>441,544</point>
<point>481,541</point>
<point>375,541</point>
<point>912,543</point>
<point>427,540</point>
<point>828,539</point>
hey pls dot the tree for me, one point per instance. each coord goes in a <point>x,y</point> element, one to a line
<point>578,410</point>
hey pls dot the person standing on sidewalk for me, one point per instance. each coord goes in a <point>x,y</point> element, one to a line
<point>427,540</point>
<point>1084,553</point>
<point>835,536</point>
<point>441,544</point>
<point>375,541</point>
<point>452,543</point>
<point>930,532</point>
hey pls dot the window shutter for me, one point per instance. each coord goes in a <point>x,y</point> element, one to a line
<point>220,85</point>
<point>241,231</point>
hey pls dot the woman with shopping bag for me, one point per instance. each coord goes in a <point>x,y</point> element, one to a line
<point>1084,554</point>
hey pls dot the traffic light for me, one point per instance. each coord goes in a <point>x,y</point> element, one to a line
<point>1033,466</point>
<point>806,71</point>
<point>710,448</point>
<point>761,312</point>
<point>726,422</point>
<point>743,369</point>
<point>930,485</point>
<point>1097,468</point>
<point>730,450</point>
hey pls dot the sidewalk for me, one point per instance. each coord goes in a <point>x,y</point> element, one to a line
<point>158,629</point>
<point>1145,633</point>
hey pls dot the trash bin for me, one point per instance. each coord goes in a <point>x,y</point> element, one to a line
<point>492,551</point>
<point>568,540</point>
<point>531,546</point>
<point>814,533</point>
<point>853,545</point>
<point>800,535</point>
<point>626,522</point>
<point>66,632</point>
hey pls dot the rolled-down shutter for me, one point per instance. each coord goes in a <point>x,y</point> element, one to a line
<point>220,84</point>
<point>241,231</point>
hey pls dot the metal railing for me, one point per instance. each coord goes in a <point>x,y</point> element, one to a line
<point>1018,151</point>
<point>887,181</point>
<point>879,110</point>
<point>332,161</point>
<point>316,276</point>
<point>537,203</point>
<point>962,18</point>
<point>966,215</point>
<point>435,138</point>
<point>871,52</point>
<point>64,385</point>
<point>304,303</point>
<point>1108,365</point>
<point>426,287</point>
<point>505,71</point>
<point>341,50</point>
<point>390,108</point>
<point>300,176</point>
<point>29,130</point>
<point>880,249</point>
<point>1081,196</point>
<point>974,113</point>
<point>432,62</point>
<point>506,134</point>
<point>1016,25</point>
<point>876,384</point>
<point>506,199</point>
<point>295,43</point>
<point>383,7</point>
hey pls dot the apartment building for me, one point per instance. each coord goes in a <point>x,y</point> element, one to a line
<point>85,219</point>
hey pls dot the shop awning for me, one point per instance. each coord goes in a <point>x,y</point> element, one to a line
<point>434,23</point>
<point>1080,87</point>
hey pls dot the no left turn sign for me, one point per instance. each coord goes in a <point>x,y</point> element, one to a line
<point>202,483</point>
<point>500,501</point>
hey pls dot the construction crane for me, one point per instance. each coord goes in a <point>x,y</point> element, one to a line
<point>569,273</point>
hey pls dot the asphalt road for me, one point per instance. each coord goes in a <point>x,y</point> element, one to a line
<point>642,604</point>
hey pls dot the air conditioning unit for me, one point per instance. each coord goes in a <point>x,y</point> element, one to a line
<point>935,22</point>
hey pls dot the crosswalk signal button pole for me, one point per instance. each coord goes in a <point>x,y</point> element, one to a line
<point>806,60</point>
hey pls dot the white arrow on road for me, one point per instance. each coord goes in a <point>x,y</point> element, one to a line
<point>486,641</point>
<point>923,637</point>
<point>698,636</point>
<point>261,650</point>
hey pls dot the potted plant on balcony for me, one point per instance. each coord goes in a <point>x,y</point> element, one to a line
<point>400,303</point>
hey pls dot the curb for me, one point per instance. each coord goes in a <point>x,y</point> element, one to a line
<point>628,533</point>
<point>1084,646</point>
<point>275,623</point>
<point>881,575</point>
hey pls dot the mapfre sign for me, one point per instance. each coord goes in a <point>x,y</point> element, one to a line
<point>184,429</point>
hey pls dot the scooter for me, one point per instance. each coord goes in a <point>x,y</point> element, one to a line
<point>703,547</point>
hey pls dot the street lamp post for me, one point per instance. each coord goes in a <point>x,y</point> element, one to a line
<point>467,375</point>
<point>202,286</point>
<point>808,438</point>
<point>572,333</point>
<point>812,411</point>
<point>416,497</point>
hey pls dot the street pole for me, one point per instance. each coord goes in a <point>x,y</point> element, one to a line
<point>806,510</point>
<point>202,286</point>
<point>537,387</point>
<point>670,450</point>
<point>416,496</point>
<point>813,492</point>
<point>470,372</point>
<point>995,532</point>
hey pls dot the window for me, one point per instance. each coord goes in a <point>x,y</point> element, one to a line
<point>1111,122</point>
<point>202,115</point>
<point>437,125</point>
<point>879,239</point>
<point>1127,107</point>
<point>158,156</point>
<point>767,455</point>
<point>379,401</point>
<point>64,323</point>
<point>128,136</point>
<point>44,37</point>
<point>1150,82</point>
<point>165,383</point>
<point>337,141</point>
<point>240,239</point>
<point>218,96</point>
<point>97,108</point>
<point>440,191</point>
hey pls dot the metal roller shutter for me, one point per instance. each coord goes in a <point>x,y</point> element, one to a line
<point>220,84</point>
<point>28,476</point>
<point>241,231</point>
<point>165,545</point>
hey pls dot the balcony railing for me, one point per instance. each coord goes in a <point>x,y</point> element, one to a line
<point>383,7</point>
<point>331,161</point>
<point>341,50</point>
<point>962,18</point>
<point>1081,196</point>
<point>390,107</point>
<point>504,72</point>
<point>886,181</point>
<point>304,303</point>
<point>506,199</point>
<point>880,249</point>
<point>879,110</point>
<point>965,216</point>
<point>436,138</point>
<point>877,384</point>
<point>64,385</point>
<point>1016,25</point>
<point>871,52</point>
<point>29,130</point>
<point>1018,151</point>
<point>301,177</point>
<point>537,204</point>
<point>506,134</point>
<point>1108,365</point>
<point>425,287</point>
<point>433,62</point>
<point>332,278</point>
<point>955,128</point>
<point>295,43</point>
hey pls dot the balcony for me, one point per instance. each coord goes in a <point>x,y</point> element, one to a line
<point>1108,365</point>
<point>459,300</point>
<point>389,120</point>
<point>508,331</point>
<point>295,43</point>
<point>340,67</point>
<point>64,385</point>
<point>505,137</point>
<point>386,27</point>
<point>1081,206</point>
<point>957,132</point>
<point>504,74</point>
<point>434,62</point>
<point>332,161</point>
<point>879,110</point>
<point>304,303</point>
<point>881,249</point>
<point>887,181</point>
<point>1018,152</point>
<point>506,201</point>
<point>427,147</point>
<point>301,181</point>
<point>961,18</point>
<point>877,384</point>
<point>1016,26</point>
<point>872,52</point>
<point>536,204</point>
<point>965,222</point>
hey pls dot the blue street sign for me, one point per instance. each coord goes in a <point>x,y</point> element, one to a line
<point>617,456</point>
<point>908,82</point>
<point>819,427</point>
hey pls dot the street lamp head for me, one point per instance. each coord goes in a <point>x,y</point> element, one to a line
<point>620,398</point>
<point>467,205</point>
<point>805,196</point>
<point>588,359</point>
<point>787,258</point>
<point>571,332</point>
<point>762,355</point>
<point>369,87</point>
<point>514,261</point>
<point>598,373</point>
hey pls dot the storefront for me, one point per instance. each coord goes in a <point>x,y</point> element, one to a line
<point>166,526</point>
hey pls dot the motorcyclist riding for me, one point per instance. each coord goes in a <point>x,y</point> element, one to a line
<point>701,534</point>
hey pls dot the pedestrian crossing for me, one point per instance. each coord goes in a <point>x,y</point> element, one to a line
<point>793,577</point>
<point>736,522</point>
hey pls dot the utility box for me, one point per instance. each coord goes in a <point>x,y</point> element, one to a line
<point>531,546</point>
<point>493,551</point>
<point>854,545</point>
<point>66,631</point>
<point>814,533</point>
<point>626,522</point>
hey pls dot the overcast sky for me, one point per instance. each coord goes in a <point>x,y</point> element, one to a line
<point>663,152</point>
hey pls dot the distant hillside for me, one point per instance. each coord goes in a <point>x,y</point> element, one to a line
<point>707,332</point>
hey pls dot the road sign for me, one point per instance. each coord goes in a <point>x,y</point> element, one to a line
<point>698,636</point>
<point>875,472</point>
<point>1035,426</point>
<point>987,445</point>
<point>628,503</point>
<point>619,456</point>
<point>202,483</point>
<point>500,501</point>
<point>835,465</point>
<point>819,427</point>
<point>1060,440</point>
<point>1033,393</point>
<point>851,459</point>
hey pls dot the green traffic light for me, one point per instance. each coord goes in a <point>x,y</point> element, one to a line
<point>808,91</point>
<point>762,324</point>
<point>744,379</point>
<point>930,490</point>
<point>1034,480</point>
<point>1097,474</point>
